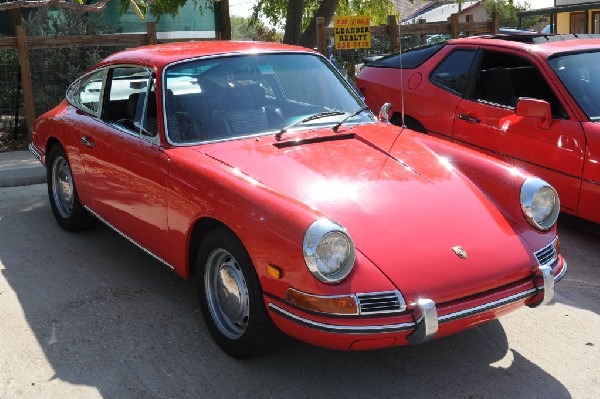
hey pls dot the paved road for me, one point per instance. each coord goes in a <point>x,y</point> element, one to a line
<point>88,315</point>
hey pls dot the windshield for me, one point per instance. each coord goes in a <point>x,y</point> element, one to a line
<point>240,96</point>
<point>580,73</point>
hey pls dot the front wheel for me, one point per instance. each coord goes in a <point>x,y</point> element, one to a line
<point>231,297</point>
<point>67,210</point>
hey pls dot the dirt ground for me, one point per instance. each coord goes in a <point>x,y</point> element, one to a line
<point>8,142</point>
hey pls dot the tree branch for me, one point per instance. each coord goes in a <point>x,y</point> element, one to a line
<point>11,5</point>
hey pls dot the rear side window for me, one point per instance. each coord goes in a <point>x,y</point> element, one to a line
<point>86,92</point>
<point>451,74</point>
<point>408,59</point>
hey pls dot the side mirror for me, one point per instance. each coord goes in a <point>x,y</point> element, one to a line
<point>535,108</point>
<point>384,113</point>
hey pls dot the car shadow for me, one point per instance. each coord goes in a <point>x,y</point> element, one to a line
<point>108,316</point>
<point>580,287</point>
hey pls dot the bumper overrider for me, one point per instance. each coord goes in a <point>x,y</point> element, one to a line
<point>422,321</point>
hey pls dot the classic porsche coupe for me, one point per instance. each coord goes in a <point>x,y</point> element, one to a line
<point>257,169</point>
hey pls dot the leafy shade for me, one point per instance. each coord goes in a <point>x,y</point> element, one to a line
<point>243,29</point>
<point>508,13</point>
<point>157,8</point>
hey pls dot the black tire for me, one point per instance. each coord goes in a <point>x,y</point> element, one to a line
<point>62,192</point>
<point>238,323</point>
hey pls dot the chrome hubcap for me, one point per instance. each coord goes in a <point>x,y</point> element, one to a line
<point>227,293</point>
<point>62,187</point>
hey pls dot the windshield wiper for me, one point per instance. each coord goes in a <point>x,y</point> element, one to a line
<point>307,119</point>
<point>352,115</point>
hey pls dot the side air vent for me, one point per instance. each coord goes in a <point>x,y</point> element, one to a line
<point>381,302</point>
<point>547,255</point>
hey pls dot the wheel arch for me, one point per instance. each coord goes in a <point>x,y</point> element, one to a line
<point>411,122</point>
<point>197,233</point>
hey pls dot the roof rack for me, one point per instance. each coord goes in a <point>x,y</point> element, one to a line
<point>538,38</point>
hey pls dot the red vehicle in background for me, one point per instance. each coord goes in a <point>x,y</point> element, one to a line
<point>257,169</point>
<point>530,100</point>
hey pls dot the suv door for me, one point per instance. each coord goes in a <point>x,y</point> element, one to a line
<point>486,119</point>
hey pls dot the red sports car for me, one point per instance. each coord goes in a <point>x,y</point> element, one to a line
<point>530,100</point>
<point>258,169</point>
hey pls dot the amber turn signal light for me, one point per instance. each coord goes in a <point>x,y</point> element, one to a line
<point>557,245</point>
<point>274,272</point>
<point>339,304</point>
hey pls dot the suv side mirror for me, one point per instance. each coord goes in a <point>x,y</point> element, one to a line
<point>536,109</point>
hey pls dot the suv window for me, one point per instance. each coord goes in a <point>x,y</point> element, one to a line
<point>451,73</point>
<point>502,78</point>
<point>131,101</point>
<point>86,92</point>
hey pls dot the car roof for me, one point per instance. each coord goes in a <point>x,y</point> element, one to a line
<point>162,54</point>
<point>543,44</point>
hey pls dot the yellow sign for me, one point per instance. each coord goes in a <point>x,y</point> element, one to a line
<point>352,32</point>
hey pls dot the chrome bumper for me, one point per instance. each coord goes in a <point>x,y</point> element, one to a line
<point>427,321</point>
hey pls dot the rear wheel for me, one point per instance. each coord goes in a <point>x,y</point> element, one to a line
<point>67,209</point>
<point>231,296</point>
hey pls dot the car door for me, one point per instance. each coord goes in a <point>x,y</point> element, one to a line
<point>126,167</point>
<point>435,104</point>
<point>486,119</point>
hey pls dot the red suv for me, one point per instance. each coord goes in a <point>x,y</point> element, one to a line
<point>531,100</point>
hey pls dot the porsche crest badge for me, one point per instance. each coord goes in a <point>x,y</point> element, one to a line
<point>460,252</point>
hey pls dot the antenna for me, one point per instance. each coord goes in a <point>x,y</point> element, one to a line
<point>401,72</point>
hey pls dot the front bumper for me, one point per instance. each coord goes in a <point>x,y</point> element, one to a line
<point>426,320</point>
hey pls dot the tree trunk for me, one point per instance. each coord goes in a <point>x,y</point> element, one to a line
<point>327,11</point>
<point>293,21</point>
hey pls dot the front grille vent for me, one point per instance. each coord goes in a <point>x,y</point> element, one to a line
<point>547,255</point>
<point>381,302</point>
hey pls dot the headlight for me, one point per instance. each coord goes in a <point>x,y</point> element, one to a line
<point>328,251</point>
<point>540,203</point>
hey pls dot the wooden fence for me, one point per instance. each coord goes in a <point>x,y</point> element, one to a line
<point>394,31</point>
<point>23,44</point>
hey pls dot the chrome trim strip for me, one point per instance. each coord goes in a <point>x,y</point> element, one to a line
<point>562,273</point>
<point>37,153</point>
<point>129,238</point>
<point>487,306</point>
<point>385,328</point>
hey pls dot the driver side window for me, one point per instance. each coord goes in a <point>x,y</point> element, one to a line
<point>131,101</point>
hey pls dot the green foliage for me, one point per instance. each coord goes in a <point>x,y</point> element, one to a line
<point>508,13</point>
<point>275,10</point>
<point>52,70</point>
<point>165,7</point>
<point>243,29</point>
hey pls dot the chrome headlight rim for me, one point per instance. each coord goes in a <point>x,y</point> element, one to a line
<point>531,186</point>
<point>316,232</point>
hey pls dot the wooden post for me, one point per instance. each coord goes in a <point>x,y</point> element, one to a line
<point>23,49</point>
<point>495,23</point>
<point>454,29</point>
<point>321,39</point>
<point>225,21</point>
<point>422,38</point>
<point>151,32</point>
<point>393,33</point>
<point>15,19</point>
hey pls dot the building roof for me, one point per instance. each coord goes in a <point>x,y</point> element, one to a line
<point>443,12</point>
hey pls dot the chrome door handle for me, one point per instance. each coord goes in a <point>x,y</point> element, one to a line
<point>469,119</point>
<point>86,141</point>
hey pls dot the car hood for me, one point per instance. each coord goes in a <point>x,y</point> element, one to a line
<point>404,207</point>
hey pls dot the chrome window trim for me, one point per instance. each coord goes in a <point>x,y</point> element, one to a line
<point>163,81</point>
<point>104,70</point>
<point>131,240</point>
